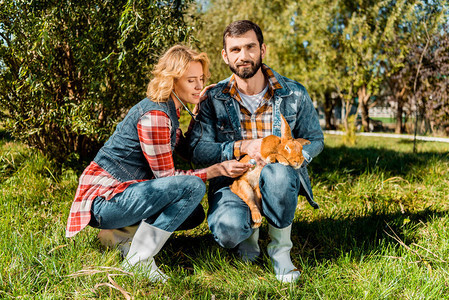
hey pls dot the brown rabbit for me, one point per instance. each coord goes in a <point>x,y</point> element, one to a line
<point>286,150</point>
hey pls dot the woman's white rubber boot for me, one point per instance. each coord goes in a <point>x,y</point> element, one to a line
<point>120,238</point>
<point>147,242</point>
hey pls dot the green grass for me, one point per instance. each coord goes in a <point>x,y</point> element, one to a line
<point>385,120</point>
<point>382,232</point>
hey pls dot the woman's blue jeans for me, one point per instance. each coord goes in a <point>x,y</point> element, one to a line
<point>163,202</point>
<point>229,218</point>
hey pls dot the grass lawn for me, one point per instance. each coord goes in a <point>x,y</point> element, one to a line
<point>382,232</point>
<point>385,120</point>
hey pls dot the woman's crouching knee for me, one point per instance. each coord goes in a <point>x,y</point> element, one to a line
<point>196,186</point>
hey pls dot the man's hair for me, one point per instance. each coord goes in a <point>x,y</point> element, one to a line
<point>238,28</point>
<point>170,67</point>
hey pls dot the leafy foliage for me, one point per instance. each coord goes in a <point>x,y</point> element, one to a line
<point>69,70</point>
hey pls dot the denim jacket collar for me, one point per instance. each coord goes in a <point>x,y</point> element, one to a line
<point>281,91</point>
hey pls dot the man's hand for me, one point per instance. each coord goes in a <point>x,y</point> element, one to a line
<point>252,148</point>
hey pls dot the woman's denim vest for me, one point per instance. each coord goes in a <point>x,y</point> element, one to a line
<point>122,156</point>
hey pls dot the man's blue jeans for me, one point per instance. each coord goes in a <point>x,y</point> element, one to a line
<point>163,202</point>
<point>229,217</point>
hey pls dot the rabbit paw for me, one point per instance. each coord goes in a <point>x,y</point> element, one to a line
<point>257,219</point>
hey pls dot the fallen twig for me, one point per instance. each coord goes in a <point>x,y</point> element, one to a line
<point>91,271</point>
<point>436,256</point>
<point>396,238</point>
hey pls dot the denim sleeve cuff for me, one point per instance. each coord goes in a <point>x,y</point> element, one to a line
<point>227,151</point>
<point>307,158</point>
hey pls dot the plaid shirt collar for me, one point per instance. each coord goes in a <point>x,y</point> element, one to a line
<point>273,84</point>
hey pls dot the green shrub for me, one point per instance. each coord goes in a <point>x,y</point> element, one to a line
<point>69,70</point>
<point>350,138</point>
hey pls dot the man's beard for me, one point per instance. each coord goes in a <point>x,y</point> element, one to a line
<point>246,73</point>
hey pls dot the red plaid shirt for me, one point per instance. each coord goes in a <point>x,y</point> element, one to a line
<point>154,135</point>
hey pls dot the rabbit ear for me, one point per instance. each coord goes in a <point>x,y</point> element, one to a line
<point>286,132</point>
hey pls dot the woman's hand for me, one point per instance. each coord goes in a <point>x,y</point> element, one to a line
<point>229,168</point>
<point>203,97</point>
<point>233,168</point>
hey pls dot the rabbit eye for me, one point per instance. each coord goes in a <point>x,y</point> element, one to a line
<point>288,149</point>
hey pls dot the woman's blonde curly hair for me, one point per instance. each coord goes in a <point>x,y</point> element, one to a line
<point>171,66</point>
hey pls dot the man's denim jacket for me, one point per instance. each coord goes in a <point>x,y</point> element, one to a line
<point>218,126</point>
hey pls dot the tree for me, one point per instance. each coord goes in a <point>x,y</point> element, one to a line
<point>370,27</point>
<point>316,52</point>
<point>433,81</point>
<point>402,74</point>
<point>341,50</point>
<point>70,69</point>
<point>294,35</point>
<point>272,17</point>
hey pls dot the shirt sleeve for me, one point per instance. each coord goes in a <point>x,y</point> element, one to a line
<point>154,134</point>
<point>237,149</point>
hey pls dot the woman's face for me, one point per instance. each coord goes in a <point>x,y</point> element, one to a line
<point>190,84</point>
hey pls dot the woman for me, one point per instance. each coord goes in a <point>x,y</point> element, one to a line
<point>132,179</point>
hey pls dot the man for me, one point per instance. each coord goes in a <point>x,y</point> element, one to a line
<point>236,115</point>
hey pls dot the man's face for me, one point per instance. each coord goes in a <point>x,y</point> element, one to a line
<point>243,54</point>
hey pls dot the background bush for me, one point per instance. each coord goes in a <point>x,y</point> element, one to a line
<point>69,70</point>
